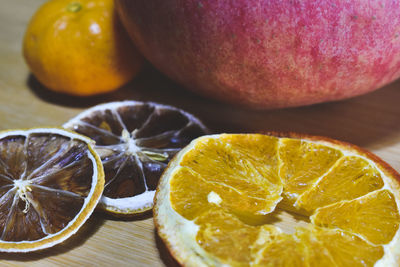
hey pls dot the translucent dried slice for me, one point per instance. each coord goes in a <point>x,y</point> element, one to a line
<point>50,183</point>
<point>350,178</point>
<point>303,163</point>
<point>374,216</point>
<point>135,140</point>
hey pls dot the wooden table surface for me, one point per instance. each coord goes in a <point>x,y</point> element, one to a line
<point>371,121</point>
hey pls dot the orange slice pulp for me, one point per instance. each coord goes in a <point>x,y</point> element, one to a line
<point>262,200</point>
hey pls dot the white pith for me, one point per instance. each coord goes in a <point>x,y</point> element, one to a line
<point>181,233</point>
<point>23,186</point>
<point>214,198</point>
<point>138,202</point>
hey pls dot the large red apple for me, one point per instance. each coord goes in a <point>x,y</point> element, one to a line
<point>269,53</point>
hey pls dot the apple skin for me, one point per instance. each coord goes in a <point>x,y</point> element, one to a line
<point>267,54</point>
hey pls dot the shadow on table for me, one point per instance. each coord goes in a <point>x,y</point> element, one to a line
<point>149,85</point>
<point>366,120</point>
<point>165,255</point>
<point>128,218</point>
<point>89,228</point>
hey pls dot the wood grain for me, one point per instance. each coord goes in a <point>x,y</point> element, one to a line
<point>371,121</point>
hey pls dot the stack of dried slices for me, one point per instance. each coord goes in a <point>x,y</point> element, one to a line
<point>223,200</point>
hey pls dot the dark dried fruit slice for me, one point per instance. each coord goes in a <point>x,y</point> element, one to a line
<point>50,182</point>
<point>135,141</point>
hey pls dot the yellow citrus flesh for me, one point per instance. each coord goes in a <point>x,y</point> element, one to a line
<point>340,248</point>
<point>303,163</point>
<point>223,200</point>
<point>282,250</point>
<point>50,182</point>
<point>246,187</point>
<point>374,216</point>
<point>350,178</point>
<point>219,231</point>
<point>135,141</point>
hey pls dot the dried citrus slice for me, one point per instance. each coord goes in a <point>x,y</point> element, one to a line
<point>50,182</point>
<point>263,200</point>
<point>135,141</point>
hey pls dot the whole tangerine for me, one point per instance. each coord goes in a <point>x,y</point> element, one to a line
<point>79,47</point>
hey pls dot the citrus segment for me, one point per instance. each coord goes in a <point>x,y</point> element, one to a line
<point>222,201</point>
<point>205,195</point>
<point>135,141</point>
<point>350,178</point>
<point>260,151</point>
<point>243,189</point>
<point>347,249</point>
<point>284,250</point>
<point>313,246</point>
<point>50,183</point>
<point>190,205</point>
<point>316,253</point>
<point>218,232</point>
<point>374,216</point>
<point>12,154</point>
<point>303,163</point>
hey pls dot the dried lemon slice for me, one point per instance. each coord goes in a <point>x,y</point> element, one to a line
<point>261,200</point>
<point>135,141</point>
<point>50,182</point>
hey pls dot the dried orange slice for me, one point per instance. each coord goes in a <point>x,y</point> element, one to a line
<point>50,182</point>
<point>135,141</point>
<point>264,200</point>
